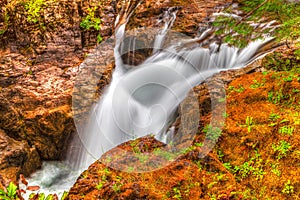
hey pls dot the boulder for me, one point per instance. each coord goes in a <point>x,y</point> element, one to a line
<point>16,157</point>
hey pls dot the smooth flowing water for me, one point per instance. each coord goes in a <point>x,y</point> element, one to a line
<point>144,99</point>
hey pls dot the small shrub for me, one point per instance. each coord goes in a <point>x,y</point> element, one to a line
<point>212,133</point>
<point>288,188</point>
<point>281,149</point>
<point>286,130</point>
<point>248,123</point>
<point>90,21</point>
<point>34,8</point>
<point>10,193</point>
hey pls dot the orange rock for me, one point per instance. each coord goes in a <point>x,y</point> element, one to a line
<point>23,180</point>
<point>33,188</point>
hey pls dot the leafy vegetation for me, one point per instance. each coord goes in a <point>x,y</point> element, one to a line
<point>275,169</point>
<point>257,84</point>
<point>42,196</point>
<point>248,123</point>
<point>286,130</point>
<point>212,133</point>
<point>281,149</point>
<point>239,89</point>
<point>254,166</point>
<point>288,188</point>
<point>10,193</point>
<point>90,21</point>
<point>34,8</point>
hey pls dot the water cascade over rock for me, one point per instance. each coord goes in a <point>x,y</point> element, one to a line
<point>144,99</point>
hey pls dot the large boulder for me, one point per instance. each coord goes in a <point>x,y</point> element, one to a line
<point>16,157</point>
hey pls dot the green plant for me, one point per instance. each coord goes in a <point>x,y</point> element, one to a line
<point>228,166</point>
<point>10,193</point>
<point>239,90</point>
<point>286,130</point>
<point>295,90</point>
<point>244,170</point>
<point>177,193</point>
<point>277,97</point>
<point>5,24</point>
<point>198,144</point>
<point>42,196</point>
<point>187,149</point>
<point>212,196</point>
<point>117,187</point>
<point>225,115</point>
<point>220,154</point>
<point>239,31</point>
<point>212,133</point>
<point>274,116</point>
<point>199,165</point>
<point>257,84</point>
<point>275,169</point>
<point>34,8</point>
<point>254,166</point>
<point>164,154</point>
<point>90,21</point>
<point>281,149</point>
<point>211,184</point>
<point>288,79</point>
<point>142,157</point>
<point>65,194</point>
<point>248,123</point>
<point>221,100</point>
<point>99,186</point>
<point>279,62</point>
<point>288,188</point>
<point>221,177</point>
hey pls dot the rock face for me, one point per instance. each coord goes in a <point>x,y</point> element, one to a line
<point>16,157</point>
<point>39,58</point>
<point>36,107</point>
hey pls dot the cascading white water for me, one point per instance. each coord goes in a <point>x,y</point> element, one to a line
<point>143,99</point>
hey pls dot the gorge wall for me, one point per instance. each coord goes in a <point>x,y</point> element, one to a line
<point>39,58</point>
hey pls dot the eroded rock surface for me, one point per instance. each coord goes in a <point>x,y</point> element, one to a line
<point>16,157</point>
<point>38,65</point>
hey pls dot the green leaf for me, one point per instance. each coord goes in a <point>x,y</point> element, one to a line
<point>65,194</point>
<point>4,197</point>
<point>2,192</point>
<point>42,196</point>
<point>11,190</point>
<point>49,197</point>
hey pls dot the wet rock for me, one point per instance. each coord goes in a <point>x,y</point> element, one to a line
<point>37,107</point>
<point>38,65</point>
<point>16,157</point>
<point>190,14</point>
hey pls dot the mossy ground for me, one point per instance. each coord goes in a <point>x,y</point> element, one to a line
<point>256,157</point>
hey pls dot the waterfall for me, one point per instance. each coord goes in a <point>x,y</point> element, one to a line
<point>144,99</point>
